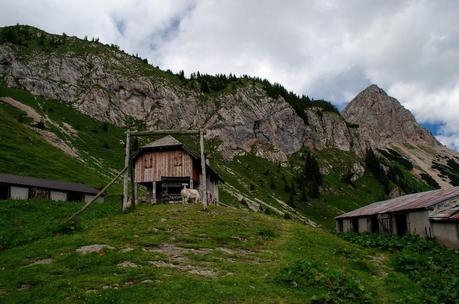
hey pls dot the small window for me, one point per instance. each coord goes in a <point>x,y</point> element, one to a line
<point>177,161</point>
<point>75,197</point>
<point>148,162</point>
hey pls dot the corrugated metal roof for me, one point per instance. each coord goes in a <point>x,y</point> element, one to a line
<point>421,200</point>
<point>448,214</point>
<point>45,183</point>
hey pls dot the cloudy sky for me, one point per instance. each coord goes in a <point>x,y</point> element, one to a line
<point>327,49</point>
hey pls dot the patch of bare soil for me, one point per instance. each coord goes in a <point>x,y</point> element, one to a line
<point>129,264</point>
<point>178,258</point>
<point>206,272</point>
<point>48,136</point>
<point>93,248</point>
<point>29,111</point>
<point>42,262</point>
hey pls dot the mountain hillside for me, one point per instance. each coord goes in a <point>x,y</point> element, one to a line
<point>383,123</point>
<point>112,86</point>
<point>278,153</point>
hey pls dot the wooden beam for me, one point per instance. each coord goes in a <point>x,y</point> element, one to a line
<point>203,182</point>
<point>86,206</point>
<point>165,132</point>
<point>127,158</point>
<point>132,173</point>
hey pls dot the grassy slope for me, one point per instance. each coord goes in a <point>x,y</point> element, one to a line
<point>24,152</point>
<point>261,269</point>
<point>101,147</point>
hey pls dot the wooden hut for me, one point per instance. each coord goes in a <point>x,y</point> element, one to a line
<point>166,165</point>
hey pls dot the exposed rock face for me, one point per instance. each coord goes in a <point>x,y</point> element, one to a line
<point>326,129</point>
<point>109,89</point>
<point>382,120</point>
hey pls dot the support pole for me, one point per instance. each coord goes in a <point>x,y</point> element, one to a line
<point>127,158</point>
<point>97,196</point>
<point>203,168</point>
<point>153,193</point>
<point>132,173</point>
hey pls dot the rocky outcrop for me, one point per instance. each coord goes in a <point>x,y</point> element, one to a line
<point>381,120</point>
<point>108,88</point>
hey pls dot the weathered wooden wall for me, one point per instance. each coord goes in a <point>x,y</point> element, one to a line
<point>150,166</point>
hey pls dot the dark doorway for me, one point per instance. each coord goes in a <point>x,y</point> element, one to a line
<point>355,225</point>
<point>401,224</point>
<point>4,192</point>
<point>75,196</point>
<point>168,189</point>
<point>374,224</point>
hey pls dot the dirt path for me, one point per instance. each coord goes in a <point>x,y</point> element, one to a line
<point>30,112</point>
<point>47,135</point>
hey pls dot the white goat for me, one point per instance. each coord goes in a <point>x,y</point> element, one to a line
<point>189,193</point>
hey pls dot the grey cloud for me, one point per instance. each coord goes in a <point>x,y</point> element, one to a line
<point>323,48</point>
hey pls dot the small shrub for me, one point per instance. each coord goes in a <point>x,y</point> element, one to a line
<point>40,125</point>
<point>433,267</point>
<point>332,285</point>
<point>430,181</point>
<point>266,233</point>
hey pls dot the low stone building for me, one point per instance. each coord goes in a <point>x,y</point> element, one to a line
<point>431,214</point>
<point>17,187</point>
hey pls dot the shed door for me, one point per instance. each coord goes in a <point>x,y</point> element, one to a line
<point>401,224</point>
<point>355,225</point>
<point>4,192</point>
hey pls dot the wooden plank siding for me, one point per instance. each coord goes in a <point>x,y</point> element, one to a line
<point>150,166</point>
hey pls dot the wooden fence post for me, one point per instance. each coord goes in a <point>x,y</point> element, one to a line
<point>203,182</point>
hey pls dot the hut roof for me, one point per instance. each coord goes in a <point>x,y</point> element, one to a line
<point>416,201</point>
<point>30,181</point>
<point>163,142</point>
<point>448,214</point>
<point>169,142</point>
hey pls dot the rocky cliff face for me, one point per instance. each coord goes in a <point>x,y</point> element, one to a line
<point>382,120</point>
<point>111,87</point>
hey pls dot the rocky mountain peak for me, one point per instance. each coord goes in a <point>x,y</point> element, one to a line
<point>382,120</point>
<point>374,89</point>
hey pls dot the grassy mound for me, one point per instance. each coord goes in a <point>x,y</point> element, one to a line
<point>181,254</point>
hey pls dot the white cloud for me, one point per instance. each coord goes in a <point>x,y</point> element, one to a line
<point>326,49</point>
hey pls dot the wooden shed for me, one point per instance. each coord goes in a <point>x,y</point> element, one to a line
<point>166,165</point>
<point>430,214</point>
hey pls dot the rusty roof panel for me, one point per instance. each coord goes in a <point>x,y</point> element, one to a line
<point>421,200</point>
<point>431,198</point>
<point>448,214</point>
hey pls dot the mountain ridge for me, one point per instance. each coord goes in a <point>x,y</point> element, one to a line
<point>259,135</point>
